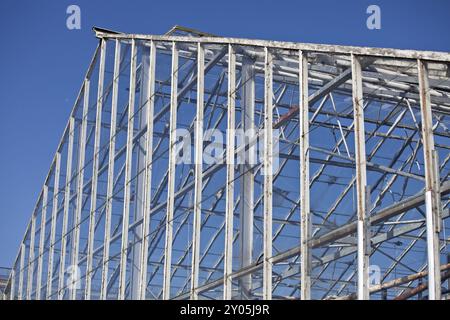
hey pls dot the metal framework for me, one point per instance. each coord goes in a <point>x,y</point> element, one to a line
<point>353,205</point>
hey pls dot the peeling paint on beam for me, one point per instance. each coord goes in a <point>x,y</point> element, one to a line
<point>311,47</point>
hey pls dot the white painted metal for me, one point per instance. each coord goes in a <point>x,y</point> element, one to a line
<point>65,219</point>
<point>335,49</point>
<point>12,281</point>
<point>41,241</point>
<point>148,173</point>
<point>51,252</point>
<point>305,214</point>
<point>110,183</point>
<point>79,203</point>
<point>245,58</point>
<point>247,172</point>
<point>268,176</point>
<point>361,181</point>
<point>95,165</point>
<point>21,267</point>
<point>31,257</point>
<point>62,141</point>
<point>432,186</point>
<point>128,165</point>
<point>171,174</point>
<point>229,189</point>
<point>139,181</point>
<point>198,172</point>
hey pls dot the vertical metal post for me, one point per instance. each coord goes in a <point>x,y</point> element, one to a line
<point>305,214</point>
<point>140,180</point>
<point>247,174</point>
<point>128,166</point>
<point>361,181</point>
<point>67,195</point>
<point>13,285</point>
<point>22,265</point>
<point>53,225</point>
<point>229,189</point>
<point>110,183</point>
<point>142,284</point>
<point>139,189</point>
<point>41,241</point>
<point>79,204</point>
<point>268,178</point>
<point>171,174</point>
<point>31,257</point>
<point>198,172</point>
<point>432,185</point>
<point>94,179</point>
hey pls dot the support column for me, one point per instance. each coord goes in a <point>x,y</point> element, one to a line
<point>128,166</point>
<point>31,257</point>
<point>432,185</point>
<point>363,237</point>
<point>21,267</point>
<point>94,179</point>
<point>51,251</point>
<point>268,178</point>
<point>79,204</point>
<point>13,285</point>
<point>140,187</point>
<point>110,183</point>
<point>198,174</point>
<point>171,174</point>
<point>305,214</point>
<point>67,195</point>
<point>247,174</point>
<point>41,242</point>
<point>229,189</point>
<point>148,172</point>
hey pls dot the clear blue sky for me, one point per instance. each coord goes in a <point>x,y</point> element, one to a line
<point>42,64</point>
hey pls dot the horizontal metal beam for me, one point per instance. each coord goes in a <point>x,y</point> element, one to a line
<point>380,216</point>
<point>283,45</point>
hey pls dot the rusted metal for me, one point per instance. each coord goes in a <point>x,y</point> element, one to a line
<point>171,229</point>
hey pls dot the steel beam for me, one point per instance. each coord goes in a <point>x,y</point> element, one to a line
<point>41,241</point>
<point>317,95</point>
<point>128,174</point>
<point>148,173</point>
<point>275,64</point>
<point>268,176</point>
<point>12,287</point>
<point>31,256</point>
<point>246,202</point>
<point>140,187</point>
<point>334,49</point>
<point>21,271</point>
<point>198,174</point>
<point>88,72</point>
<point>171,174</point>
<point>432,185</point>
<point>229,190</point>
<point>54,217</point>
<point>305,214</point>
<point>79,203</point>
<point>95,165</point>
<point>110,179</point>
<point>363,238</point>
<point>67,195</point>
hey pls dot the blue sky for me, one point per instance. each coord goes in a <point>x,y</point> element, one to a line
<point>42,64</point>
